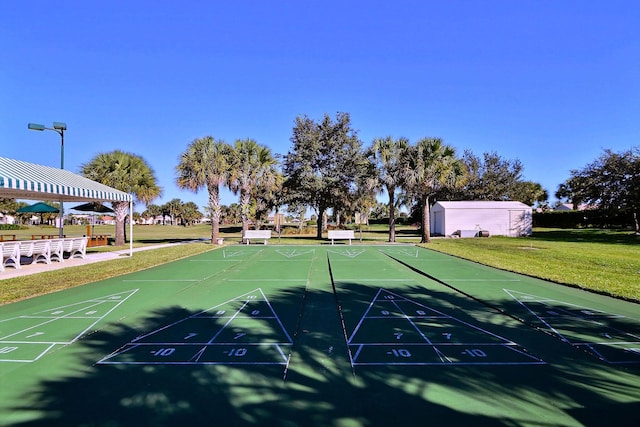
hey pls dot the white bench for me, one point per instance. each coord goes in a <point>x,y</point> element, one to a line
<point>76,247</point>
<point>38,250</point>
<point>341,234</point>
<point>57,250</point>
<point>256,234</point>
<point>44,251</point>
<point>10,255</point>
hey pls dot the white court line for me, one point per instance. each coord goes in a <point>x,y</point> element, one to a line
<point>162,280</point>
<point>480,280</point>
<point>266,280</point>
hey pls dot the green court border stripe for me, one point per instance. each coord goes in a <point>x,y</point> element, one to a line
<point>341,314</point>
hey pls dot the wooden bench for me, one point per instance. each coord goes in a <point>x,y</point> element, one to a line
<point>45,236</point>
<point>5,237</point>
<point>256,234</point>
<point>98,240</point>
<point>341,234</point>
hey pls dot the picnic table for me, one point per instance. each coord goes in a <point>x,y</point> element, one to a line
<point>98,240</point>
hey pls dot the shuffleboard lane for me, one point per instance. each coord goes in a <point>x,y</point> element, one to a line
<point>393,319</point>
<point>619,343</point>
<point>242,317</point>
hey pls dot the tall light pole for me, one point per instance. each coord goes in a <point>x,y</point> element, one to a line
<point>59,128</point>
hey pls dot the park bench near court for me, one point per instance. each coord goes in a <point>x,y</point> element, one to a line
<point>256,234</point>
<point>341,234</point>
<point>37,250</point>
<point>42,251</point>
<point>76,247</point>
<point>10,255</point>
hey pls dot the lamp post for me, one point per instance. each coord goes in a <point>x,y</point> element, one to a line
<point>59,128</point>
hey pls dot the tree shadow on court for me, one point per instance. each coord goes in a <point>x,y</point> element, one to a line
<point>319,387</point>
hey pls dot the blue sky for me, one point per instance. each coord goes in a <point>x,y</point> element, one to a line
<point>549,82</point>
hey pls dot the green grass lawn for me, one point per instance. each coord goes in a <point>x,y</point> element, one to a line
<point>596,260</point>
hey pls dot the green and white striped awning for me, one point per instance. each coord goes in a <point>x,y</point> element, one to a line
<point>22,180</point>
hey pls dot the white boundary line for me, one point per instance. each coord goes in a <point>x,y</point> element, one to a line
<point>96,302</point>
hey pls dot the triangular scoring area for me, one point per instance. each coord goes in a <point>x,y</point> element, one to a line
<point>293,252</point>
<point>28,338</point>
<point>395,330</point>
<point>244,330</point>
<point>238,253</point>
<point>604,335</point>
<point>408,252</point>
<point>350,253</point>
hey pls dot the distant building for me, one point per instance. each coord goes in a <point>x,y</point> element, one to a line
<point>569,207</point>
<point>7,219</point>
<point>498,218</point>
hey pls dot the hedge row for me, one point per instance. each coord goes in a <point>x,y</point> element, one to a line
<point>582,219</point>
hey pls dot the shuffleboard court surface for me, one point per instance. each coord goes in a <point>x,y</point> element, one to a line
<point>361,335</point>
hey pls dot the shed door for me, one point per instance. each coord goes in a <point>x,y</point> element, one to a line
<point>436,227</point>
<point>517,225</point>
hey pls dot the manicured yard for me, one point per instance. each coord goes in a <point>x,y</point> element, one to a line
<point>597,260</point>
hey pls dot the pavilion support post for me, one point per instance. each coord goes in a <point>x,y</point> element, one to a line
<point>131,227</point>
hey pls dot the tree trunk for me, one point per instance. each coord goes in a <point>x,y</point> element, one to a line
<point>426,222</point>
<point>320,223</point>
<point>635,220</point>
<point>245,200</point>
<point>120,209</point>
<point>216,213</point>
<point>392,215</point>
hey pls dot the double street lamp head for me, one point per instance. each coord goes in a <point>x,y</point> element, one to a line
<point>57,126</point>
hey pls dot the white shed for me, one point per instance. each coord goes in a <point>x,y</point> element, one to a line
<point>498,218</point>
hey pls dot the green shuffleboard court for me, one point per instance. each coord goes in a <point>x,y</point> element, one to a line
<point>380,335</point>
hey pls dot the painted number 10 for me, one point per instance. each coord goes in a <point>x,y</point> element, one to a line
<point>475,352</point>
<point>237,352</point>
<point>400,352</point>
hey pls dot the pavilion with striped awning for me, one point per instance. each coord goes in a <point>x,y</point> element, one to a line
<point>23,180</point>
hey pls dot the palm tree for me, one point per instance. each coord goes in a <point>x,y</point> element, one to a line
<point>430,167</point>
<point>251,165</point>
<point>204,164</point>
<point>387,155</point>
<point>126,172</point>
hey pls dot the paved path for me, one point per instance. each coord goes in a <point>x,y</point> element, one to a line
<point>27,269</point>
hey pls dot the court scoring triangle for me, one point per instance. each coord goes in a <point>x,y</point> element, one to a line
<point>610,337</point>
<point>244,330</point>
<point>395,330</point>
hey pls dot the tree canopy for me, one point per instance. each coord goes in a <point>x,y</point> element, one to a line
<point>611,182</point>
<point>431,167</point>
<point>325,164</point>
<point>205,163</point>
<point>126,172</point>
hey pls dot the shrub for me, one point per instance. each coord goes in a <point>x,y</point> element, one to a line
<point>9,227</point>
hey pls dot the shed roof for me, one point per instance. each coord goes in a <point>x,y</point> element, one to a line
<point>23,180</point>
<point>483,204</point>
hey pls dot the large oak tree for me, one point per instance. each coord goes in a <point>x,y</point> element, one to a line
<point>325,165</point>
<point>611,182</point>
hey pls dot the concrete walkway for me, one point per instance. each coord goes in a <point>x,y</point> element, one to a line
<point>27,269</point>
